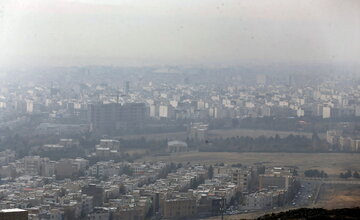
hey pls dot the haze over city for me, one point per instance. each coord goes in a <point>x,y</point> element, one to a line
<point>179,109</point>
<point>81,32</point>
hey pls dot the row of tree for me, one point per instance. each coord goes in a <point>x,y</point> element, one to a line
<point>315,173</point>
<point>291,143</point>
<point>349,174</point>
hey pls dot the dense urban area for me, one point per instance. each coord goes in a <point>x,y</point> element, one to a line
<point>108,143</point>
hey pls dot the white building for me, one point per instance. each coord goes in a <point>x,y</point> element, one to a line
<point>326,112</point>
<point>166,111</point>
<point>177,146</point>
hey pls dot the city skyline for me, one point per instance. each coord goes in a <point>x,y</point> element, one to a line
<point>179,109</point>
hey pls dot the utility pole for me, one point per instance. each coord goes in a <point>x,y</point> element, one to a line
<point>222,208</point>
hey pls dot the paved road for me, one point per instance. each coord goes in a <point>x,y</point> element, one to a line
<point>306,194</point>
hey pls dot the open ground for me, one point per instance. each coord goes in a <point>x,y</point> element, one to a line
<point>335,196</point>
<point>223,133</point>
<point>332,163</point>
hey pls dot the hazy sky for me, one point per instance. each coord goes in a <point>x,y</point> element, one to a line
<point>142,32</point>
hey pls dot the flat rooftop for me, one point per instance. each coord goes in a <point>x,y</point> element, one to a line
<point>12,210</point>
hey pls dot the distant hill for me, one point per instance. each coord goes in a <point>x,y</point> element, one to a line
<point>315,214</point>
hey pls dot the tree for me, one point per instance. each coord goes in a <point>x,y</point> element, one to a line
<point>196,182</point>
<point>238,165</point>
<point>211,172</point>
<point>122,189</point>
<point>356,175</point>
<point>315,137</point>
<point>315,173</point>
<point>277,138</point>
<point>347,174</point>
<point>295,172</point>
<point>172,166</point>
<point>127,170</point>
<point>323,174</point>
<point>261,170</point>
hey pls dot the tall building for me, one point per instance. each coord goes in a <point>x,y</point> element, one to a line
<point>127,87</point>
<point>154,111</point>
<point>109,118</point>
<point>29,106</point>
<point>326,112</point>
<point>290,80</point>
<point>64,169</point>
<point>198,131</point>
<point>177,146</point>
<point>104,117</point>
<point>32,164</point>
<point>132,115</point>
<point>357,110</point>
<point>242,178</point>
<point>166,111</point>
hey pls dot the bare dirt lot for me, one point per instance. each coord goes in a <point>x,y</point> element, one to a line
<point>336,196</point>
<point>332,163</point>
